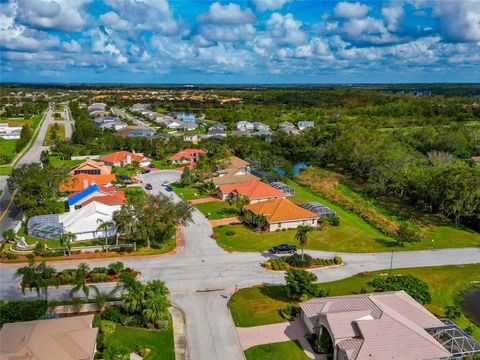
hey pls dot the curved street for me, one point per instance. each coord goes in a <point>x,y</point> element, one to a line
<point>203,275</point>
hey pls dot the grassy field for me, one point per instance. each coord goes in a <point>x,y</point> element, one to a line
<point>262,305</point>
<point>440,232</point>
<point>352,235</point>
<point>133,192</point>
<point>60,133</point>
<point>7,148</point>
<point>187,193</point>
<point>290,350</point>
<point>217,210</point>
<point>125,171</point>
<point>159,342</point>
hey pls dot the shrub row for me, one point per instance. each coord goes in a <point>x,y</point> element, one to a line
<point>296,261</point>
<point>12,311</point>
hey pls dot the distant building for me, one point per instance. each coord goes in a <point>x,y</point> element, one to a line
<point>190,138</point>
<point>302,125</point>
<point>239,133</point>
<point>261,126</point>
<point>67,338</point>
<point>8,132</point>
<point>218,127</point>
<point>142,132</point>
<point>91,167</point>
<point>216,132</point>
<point>244,126</point>
<point>115,125</point>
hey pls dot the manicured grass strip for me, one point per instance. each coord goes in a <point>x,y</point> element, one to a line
<point>217,210</point>
<point>290,350</point>
<point>60,133</point>
<point>187,193</point>
<point>6,170</point>
<point>57,163</point>
<point>160,342</point>
<point>261,305</point>
<point>8,148</point>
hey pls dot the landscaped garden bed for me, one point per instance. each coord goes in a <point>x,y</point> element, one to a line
<point>283,263</point>
<point>50,277</point>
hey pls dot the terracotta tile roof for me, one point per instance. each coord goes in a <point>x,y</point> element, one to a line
<point>77,182</point>
<point>280,210</point>
<point>253,189</point>
<point>121,156</point>
<point>115,199</point>
<point>231,176</point>
<point>69,338</point>
<point>378,326</point>
<point>236,162</point>
<point>91,164</point>
<point>186,154</point>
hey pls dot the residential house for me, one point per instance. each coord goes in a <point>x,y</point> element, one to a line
<point>218,127</point>
<point>115,125</point>
<point>216,133</point>
<point>254,190</point>
<point>281,213</point>
<point>244,126</point>
<point>91,167</point>
<point>81,181</point>
<point>97,109</point>
<point>389,325</point>
<point>231,176</point>
<point>303,125</point>
<point>105,119</point>
<point>98,113</point>
<point>261,127</point>
<point>186,156</point>
<point>246,133</point>
<point>66,338</point>
<point>285,124</point>
<point>138,107</point>
<point>138,132</point>
<point>8,132</point>
<point>191,138</point>
<point>175,124</point>
<point>82,222</point>
<point>122,158</point>
<point>108,195</point>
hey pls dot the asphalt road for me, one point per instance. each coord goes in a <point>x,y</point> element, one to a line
<point>32,155</point>
<point>203,275</point>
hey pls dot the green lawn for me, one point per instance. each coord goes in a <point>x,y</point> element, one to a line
<point>261,305</point>
<point>352,235</point>
<point>60,133</point>
<point>290,350</point>
<point>159,342</point>
<point>56,162</point>
<point>7,149</point>
<point>133,192</point>
<point>187,193</point>
<point>217,210</point>
<point>125,171</point>
<point>441,232</point>
<point>6,170</point>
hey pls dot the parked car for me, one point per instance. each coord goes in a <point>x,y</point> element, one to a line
<point>151,166</point>
<point>149,186</point>
<point>123,176</point>
<point>168,188</point>
<point>145,171</point>
<point>284,249</point>
<point>165,183</point>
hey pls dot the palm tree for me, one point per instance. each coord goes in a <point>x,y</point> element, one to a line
<point>83,269</point>
<point>101,298</point>
<point>105,226</point>
<point>36,277</point>
<point>302,235</point>
<point>81,285</point>
<point>155,309</point>
<point>65,241</point>
<point>135,297</point>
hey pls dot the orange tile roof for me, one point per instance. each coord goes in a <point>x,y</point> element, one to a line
<point>115,199</point>
<point>104,169</point>
<point>77,182</point>
<point>253,189</point>
<point>186,154</point>
<point>120,156</point>
<point>280,210</point>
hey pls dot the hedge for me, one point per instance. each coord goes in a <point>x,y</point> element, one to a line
<point>12,311</point>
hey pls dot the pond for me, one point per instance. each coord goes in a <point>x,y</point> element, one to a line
<point>471,305</point>
<point>186,116</point>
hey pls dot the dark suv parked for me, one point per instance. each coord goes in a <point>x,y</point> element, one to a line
<point>284,248</point>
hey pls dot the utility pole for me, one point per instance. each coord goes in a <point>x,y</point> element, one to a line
<point>391,263</point>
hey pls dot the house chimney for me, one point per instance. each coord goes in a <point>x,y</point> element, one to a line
<point>129,159</point>
<point>85,183</point>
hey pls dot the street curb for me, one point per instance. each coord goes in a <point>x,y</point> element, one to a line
<point>179,332</point>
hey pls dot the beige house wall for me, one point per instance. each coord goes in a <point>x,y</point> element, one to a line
<point>292,224</point>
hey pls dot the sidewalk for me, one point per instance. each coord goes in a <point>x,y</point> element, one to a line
<point>225,221</point>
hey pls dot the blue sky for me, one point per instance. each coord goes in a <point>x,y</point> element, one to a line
<point>255,41</point>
